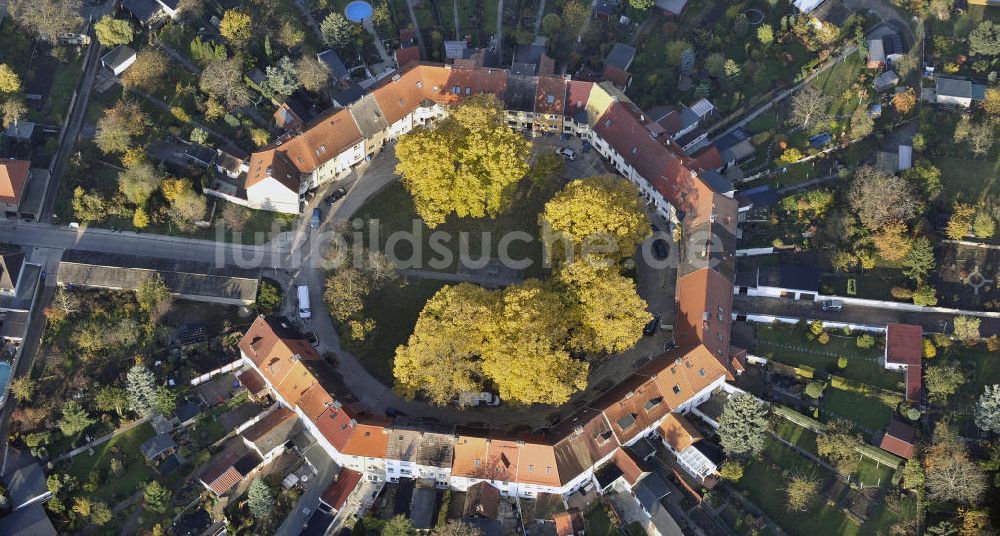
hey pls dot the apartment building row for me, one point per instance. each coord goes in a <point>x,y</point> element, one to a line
<point>559,461</point>
<point>638,147</point>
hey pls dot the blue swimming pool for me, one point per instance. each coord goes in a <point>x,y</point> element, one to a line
<point>358,10</point>
<point>4,378</point>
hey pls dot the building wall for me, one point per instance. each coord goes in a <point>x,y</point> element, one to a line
<point>954,101</point>
<point>269,194</point>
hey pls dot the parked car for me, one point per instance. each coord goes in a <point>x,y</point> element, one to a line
<point>311,337</point>
<point>833,305</point>
<point>567,153</point>
<point>316,219</point>
<point>337,195</point>
<point>652,326</point>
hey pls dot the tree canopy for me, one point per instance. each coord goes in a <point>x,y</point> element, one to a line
<point>469,164</point>
<point>879,198</point>
<point>118,126</point>
<point>111,31</point>
<point>595,218</point>
<point>260,499</point>
<point>47,19</point>
<point>988,409</point>
<point>743,425</point>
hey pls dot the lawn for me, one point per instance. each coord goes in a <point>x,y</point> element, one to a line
<point>394,211</point>
<point>802,437</point>
<point>985,364</point>
<point>836,81</point>
<point>872,473</point>
<point>766,488</point>
<point>787,458</point>
<point>597,522</point>
<point>888,513</point>
<point>125,447</point>
<point>867,412</point>
<point>394,309</point>
<point>862,365</point>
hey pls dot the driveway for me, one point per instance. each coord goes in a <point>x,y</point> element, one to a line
<point>326,469</point>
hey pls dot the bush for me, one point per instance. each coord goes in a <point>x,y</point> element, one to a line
<point>842,362</point>
<point>816,327</point>
<point>865,341</point>
<point>823,338</point>
<point>815,389</point>
<point>941,340</point>
<point>37,439</point>
<point>929,349</point>
<point>901,293</point>
<point>913,414</point>
<point>268,296</point>
<point>805,371</point>
<point>993,343</point>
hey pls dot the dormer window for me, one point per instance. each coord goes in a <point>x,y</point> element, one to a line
<point>677,389</point>
<point>456,90</point>
<point>420,84</point>
<point>551,99</point>
<point>701,372</point>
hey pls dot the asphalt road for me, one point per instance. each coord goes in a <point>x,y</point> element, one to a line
<point>272,255</point>
<point>872,316</point>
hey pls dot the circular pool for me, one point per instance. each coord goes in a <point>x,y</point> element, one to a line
<point>358,10</point>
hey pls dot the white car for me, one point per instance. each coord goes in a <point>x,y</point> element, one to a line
<point>568,154</point>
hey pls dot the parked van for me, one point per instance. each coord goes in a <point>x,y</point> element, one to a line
<point>304,312</point>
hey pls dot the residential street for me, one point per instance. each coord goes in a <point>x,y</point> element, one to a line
<point>141,244</point>
<point>931,321</point>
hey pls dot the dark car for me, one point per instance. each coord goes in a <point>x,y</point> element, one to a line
<point>660,249</point>
<point>650,328</point>
<point>336,195</point>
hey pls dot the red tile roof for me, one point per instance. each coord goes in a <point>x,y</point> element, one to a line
<point>914,383</point>
<point>406,55</point>
<point>568,523</point>
<point>336,426</point>
<point>550,95</point>
<point>336,495</point>
<point>632,406</point>
<point>679,432</point>
<point>903,344</point>
<point>321,141</point>
<point>251,381</point>
<point>704,311</point>
<point>626,464</point>
<point>898,439</point>
<point>272,164</point>
<point>369,441</point>
<point>577,94</point>
<point>618,76</point>
<point>13,178</point>
<point>707,158</point>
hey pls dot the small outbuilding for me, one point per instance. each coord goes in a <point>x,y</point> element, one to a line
<point>119,59</point>
<point>158,447</point>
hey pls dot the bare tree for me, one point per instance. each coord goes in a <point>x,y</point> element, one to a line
<point>47,19</point>
<point>380,268</point>
<point>224,80</point>
<point>808,105</point>
<point>879,198</point>
<point>66,302</point>
<point>951,476</point>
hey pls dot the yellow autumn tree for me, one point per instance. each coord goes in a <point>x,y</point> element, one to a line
<point>607,312</point>
<point>529,362</point>
<point>598,218</point>
<point>236,27</point>
<point>468,164</point>
<point>173,188</point>
<point>442,357</point>
<point>892,241</point>
<point>10,82</point>
<point>960,222</point>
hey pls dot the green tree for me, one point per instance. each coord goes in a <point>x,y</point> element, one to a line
<point>10,82</point>
<point>983,225</point>
<point>164,401</point>
<point>714,64</point>
<point>839,445</point>
<point>919,261</point>
<point>268,296</point>
<point>641,4</point>
<point>743,425</point>
<point>111,31</point>
<point>148,72</point>
<point>118,127</point>
<point>23,387</point>
<point>862,124</point>
<point>960,221</point>
<point>467,165</point>
<point>988,409</point>
<point>674,52</point>
<point>156,497</point>
<point>189,207</point>
<point>100,513</point>
<point>141,387</point>
<point>551,25</point>
<point>941,382</point>
<point>74,418</point>
<point>594,219</point>
<point>337,31</point>
<point>967,329</point>
<point>913,474</point>
<point>765,34</point>
<point>925,296</point>
<point>153,296</point>
<point>282,78</point>
<point>236,27</point>
<point>112,398</point>
<point>88,206</point>
<point>398,526</point>
<point>985,39</point>
<point>261,499</point>
<point>731,471</point>
<point>138,183</point>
